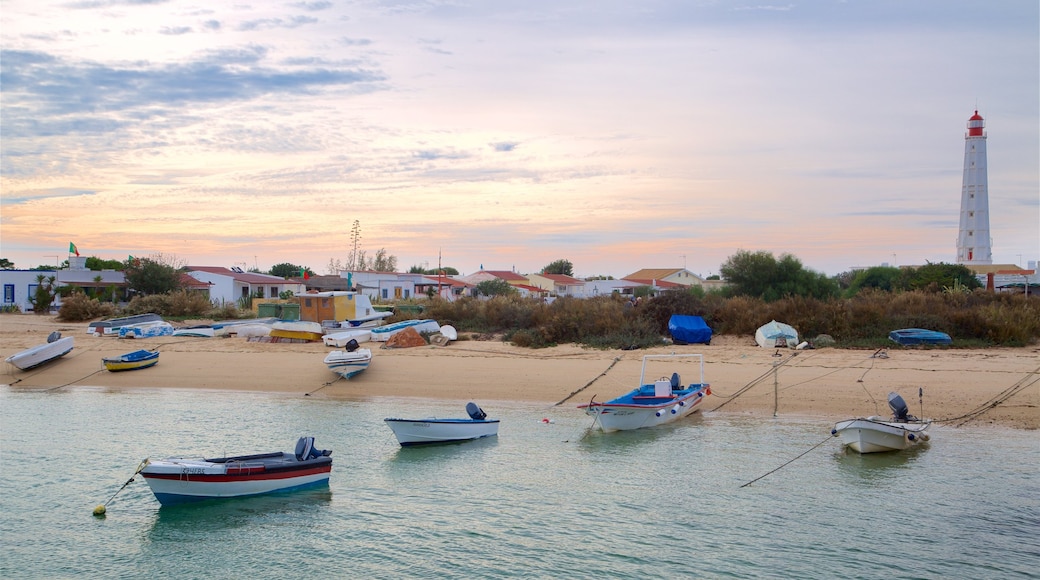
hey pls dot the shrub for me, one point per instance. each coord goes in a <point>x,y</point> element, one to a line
<point>78,307</point>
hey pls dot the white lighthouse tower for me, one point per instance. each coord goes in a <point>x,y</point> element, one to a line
<point>973,241</point>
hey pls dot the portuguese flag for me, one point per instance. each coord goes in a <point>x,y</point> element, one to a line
<point>72,249</point>
<point>305,274</point>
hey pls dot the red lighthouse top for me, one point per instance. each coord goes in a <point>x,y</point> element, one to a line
<point>975,125</point>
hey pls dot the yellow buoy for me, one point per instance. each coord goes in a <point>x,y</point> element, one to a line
<point>99,510</point>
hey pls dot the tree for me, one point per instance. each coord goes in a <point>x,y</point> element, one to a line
<point>934,277</point>
<point>6,264</point>
<point>760,275</point>
<point>334,267</point>
<point>151,276</point>
<point>355,261</point>
<point>287,270</point>
<point>95,263</point>
<point>44,295</point>
<point>382,262</point>
<point>885,278</point>
<point>559,267</point>
<point>496,287</point>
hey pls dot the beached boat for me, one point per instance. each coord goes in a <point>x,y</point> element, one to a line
<point>111,326</point>
<point>877,434</point>
<point>146,329</point>
<point>775,334</point>
<point>915,336</point>
<point>131,361</point>
<point>298,329</point>
<point>350,361</point>
<point>341,338</point>
<point>376,318</point>
<point>383,333</point>
<point>177,480</point>
<point>30,358</point>
<point>199,331</point>
<point>411,432</point>
<point>653,403</point>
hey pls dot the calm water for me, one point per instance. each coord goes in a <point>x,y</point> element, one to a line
<point>541,500</point>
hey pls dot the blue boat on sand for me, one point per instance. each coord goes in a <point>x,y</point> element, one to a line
<point>918,336</point>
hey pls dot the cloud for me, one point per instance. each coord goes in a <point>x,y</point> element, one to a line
<point>46,85</point>
<point>175,30</point>
<point>503,146</point>
<point>271,23</point>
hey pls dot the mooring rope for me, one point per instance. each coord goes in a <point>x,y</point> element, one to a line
<point>747,387</point>
<point>588,384</point>
<point>789,462</point>
<point>100,509</point>
<point>997,400</point>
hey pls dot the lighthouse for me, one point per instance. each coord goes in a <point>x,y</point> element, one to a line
<point>973,242</point>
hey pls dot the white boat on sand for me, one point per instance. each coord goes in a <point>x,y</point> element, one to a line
<point>431,430</point>
<point>177,480</point>
<point>653,403</point>
<point>55,348</point>
<point>349,361</point>
<point>877,434</point>
<point>341,338</point>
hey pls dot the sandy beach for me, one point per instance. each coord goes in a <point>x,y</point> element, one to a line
<point>829,383</point>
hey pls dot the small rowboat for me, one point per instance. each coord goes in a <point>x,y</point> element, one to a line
<point>132,361</point>
<point>178,480</point>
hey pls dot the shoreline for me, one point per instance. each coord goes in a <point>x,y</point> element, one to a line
<point>829,383</point>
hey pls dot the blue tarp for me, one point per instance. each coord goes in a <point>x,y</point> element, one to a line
<point>686,329</point>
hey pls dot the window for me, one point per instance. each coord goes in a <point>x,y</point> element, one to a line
<point>385,294</point>
<point>274,291</point>
<point>8,293</point>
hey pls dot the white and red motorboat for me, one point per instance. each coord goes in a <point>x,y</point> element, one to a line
<point>178,480</point>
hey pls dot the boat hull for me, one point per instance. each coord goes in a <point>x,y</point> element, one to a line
<point>410,432</point>
<point>383,333</point>
<point>348,364</point>
<point>41,354</point>
<point>919,336</point>
<point>131,361</point>
<point>300,330</point>
<point>176,481</point>
<point>872,435</point>
<point>340,339</point>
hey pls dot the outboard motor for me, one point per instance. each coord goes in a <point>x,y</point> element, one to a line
<point>475,412</point>
<point>305,449</point>
<point>53,337</point>
<point>676,382</point>
<point>899,409</point>
<point>352,345</point>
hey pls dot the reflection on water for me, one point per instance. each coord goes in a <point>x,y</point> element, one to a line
<point>871,466</point>
<point>219,515</point>
<point>443,451</point>
<point>594,440</point>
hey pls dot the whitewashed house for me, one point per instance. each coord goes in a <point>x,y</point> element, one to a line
<point>229,285</point>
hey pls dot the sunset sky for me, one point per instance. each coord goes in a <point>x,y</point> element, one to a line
<point>506,134</point>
